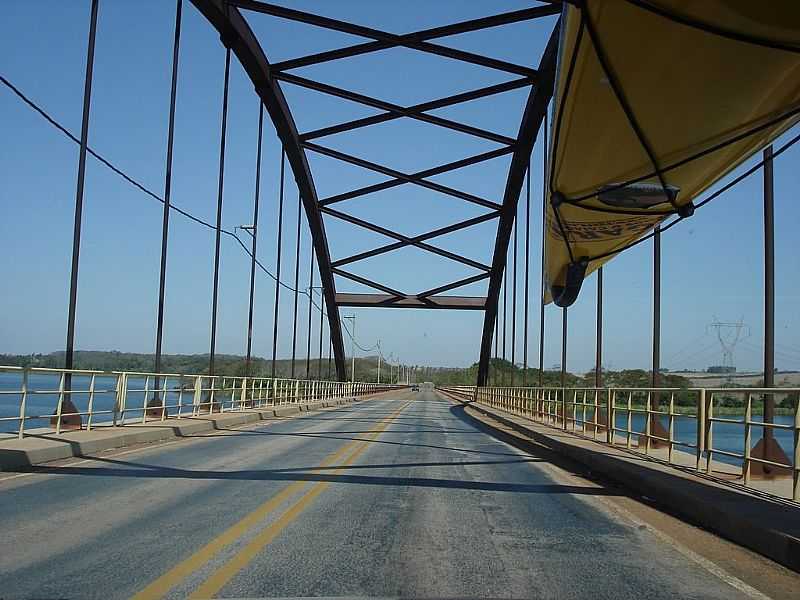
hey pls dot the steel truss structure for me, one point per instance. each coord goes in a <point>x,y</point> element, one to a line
<point>267,78</point>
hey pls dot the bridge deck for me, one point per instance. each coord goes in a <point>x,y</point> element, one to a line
<point>403,495</point>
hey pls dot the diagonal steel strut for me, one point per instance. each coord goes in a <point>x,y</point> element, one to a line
<point>460,98</point>
<point>403,238</point>
<point>390,183</point>
<point>400,111</point>
<point>360,162</point>
<point>417,238</point>
<point>384,39</point>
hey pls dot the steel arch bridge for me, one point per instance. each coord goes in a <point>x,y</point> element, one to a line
<point>237,36</point>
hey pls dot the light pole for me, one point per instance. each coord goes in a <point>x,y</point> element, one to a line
<point>352,347</point>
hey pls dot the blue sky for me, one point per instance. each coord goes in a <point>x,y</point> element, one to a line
<point>712,264</point>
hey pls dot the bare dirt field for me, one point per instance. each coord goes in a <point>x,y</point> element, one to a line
<point>744,379</point>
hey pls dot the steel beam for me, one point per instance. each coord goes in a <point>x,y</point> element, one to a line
<point>236,34</point>
<point>368,283</point>
<point>655,376</point>
<point>438,170</point>
<point>390,301</point>
<point>769,292</point>
<point>417,238</point>
<point>564,355</point>
<point>527,274</point>
<point>427,34</point>
<point>453,285</point>
<point>392,108</point>
<point>296,283</point>
<point>310,315</point>
<point>278,255</point>
<point>598,347</point>
<point>254,235</point>
<point>218,228</point>
<point>162,279</point>
<point>419,108</point>
<point>541,272</point>
<point>81,179</point>
<point>535,110</point>
<point>404,238</point>
<point>371,166</point>
<point>390,39</point>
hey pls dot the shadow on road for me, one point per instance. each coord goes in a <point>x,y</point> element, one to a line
<point>312,474</point>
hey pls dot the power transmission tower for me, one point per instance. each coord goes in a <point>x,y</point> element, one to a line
<point>729,334</point>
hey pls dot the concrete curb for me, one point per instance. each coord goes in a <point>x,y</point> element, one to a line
<point>36,449</point>
<point>768,527</point>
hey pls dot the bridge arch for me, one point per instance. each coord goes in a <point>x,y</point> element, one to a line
<point>236,34</point>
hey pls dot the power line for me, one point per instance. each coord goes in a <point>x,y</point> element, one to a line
<point>699,352</point>
<point>141,187</point>
<point>688,347</point>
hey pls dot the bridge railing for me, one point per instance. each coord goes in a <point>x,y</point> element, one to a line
<point>717,431</point>
<point>57,400</point>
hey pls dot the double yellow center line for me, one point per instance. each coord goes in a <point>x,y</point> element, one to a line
<point>161,586</point>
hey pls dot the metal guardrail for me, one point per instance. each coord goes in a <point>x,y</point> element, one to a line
<point>589,411</point>
<point>118,398</point>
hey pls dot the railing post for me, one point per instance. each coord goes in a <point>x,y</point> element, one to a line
<point>119,399</point>
<point>671,426</point>
<point>60,402</point>
<point>144,401</point>
<point>647,423</point>
<point>213,396</point>
<point>748,416</point>
<point>583,413</point>
<point>796,474</point>
<point>701,427</point>
<point>610,416</point>
<point>180,396</point>
<point>22,402</point>
<point>198,395</point>
<point>709,431</point>
<point>574,409</point>
<point>243,397</point>
<point>164,399</point>
<point>629,422</point>
<point>90,404</point>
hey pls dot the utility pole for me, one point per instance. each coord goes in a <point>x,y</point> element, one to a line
<point>379,361</point>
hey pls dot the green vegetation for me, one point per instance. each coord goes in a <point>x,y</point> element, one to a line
<point>225,364</point>
<point>501,373</point>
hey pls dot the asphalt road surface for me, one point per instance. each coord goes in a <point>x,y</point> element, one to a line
<point>400,496</point>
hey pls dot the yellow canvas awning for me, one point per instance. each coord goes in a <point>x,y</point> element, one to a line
<point>654,102</point>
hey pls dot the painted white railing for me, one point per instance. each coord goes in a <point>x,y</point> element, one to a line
<point>72,399</point>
